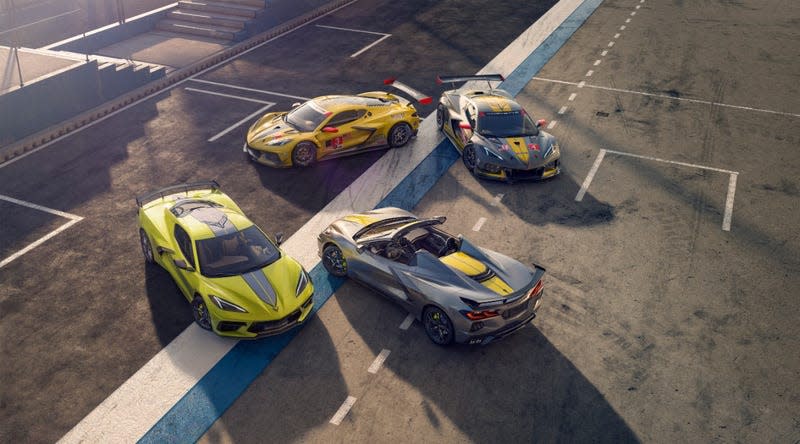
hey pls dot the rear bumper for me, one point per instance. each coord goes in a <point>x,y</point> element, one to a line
<point>483,337</point>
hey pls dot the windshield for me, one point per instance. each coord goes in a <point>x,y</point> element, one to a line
<point>382,227</point>
<point>506,124</point>
<point>306,117</point>
<point>236,253</point>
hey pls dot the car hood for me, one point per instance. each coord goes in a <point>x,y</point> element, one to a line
<point>271,127</point>
<point>269,291</point>
<point>520,152</point>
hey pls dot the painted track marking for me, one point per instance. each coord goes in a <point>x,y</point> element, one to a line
<point>360,51</point>
<point>407,322</point>
<point>728,214</point>
<point>572,97</point>
<point>343,410</point>
<point>245,120</point>
<point>479,224</point>
<point>562,110</point>
<point>590,176</point>
<point>214,93</point>
<point>378,362</point>
<point>664,96</point>
<point>243,88</point>
<point>73,219</point>
<point>552,124</point>
<point>496,199</point>
<point>41,21</point>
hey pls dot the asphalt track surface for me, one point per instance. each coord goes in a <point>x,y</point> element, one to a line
<point>659,324</point>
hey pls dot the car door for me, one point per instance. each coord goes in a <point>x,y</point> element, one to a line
<point>348,136</point>
<point>371,266</point>
<point>182,264</point>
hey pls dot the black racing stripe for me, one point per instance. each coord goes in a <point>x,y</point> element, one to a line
<point>261,287</point>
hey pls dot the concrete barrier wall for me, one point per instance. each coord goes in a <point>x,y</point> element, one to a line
<point>48,101</point>
<point>281,11</point>
<point>112,34</point>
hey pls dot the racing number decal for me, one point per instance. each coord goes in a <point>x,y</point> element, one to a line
<point>337,142</point>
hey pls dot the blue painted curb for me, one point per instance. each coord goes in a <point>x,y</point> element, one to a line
<point>190,417</point>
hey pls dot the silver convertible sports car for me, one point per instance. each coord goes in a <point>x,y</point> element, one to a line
<point>460,292</point>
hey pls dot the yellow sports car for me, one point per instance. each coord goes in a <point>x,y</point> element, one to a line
<point>237,279</point>
<point>334,126</point>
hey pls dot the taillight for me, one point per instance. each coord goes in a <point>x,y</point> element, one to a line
<point>537,288</point>
<point>481,314</point>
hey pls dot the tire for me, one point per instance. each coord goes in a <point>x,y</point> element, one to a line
<point>438,326</point>
<point>469,158</point>
<point>333,260</point>
<point>441,117</point>
<point>399,135</point>
<point>200,313</point>
<point>147,247</point>
<point>304,154</point>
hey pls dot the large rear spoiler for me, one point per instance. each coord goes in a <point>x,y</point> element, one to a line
<point>416,95</point>
<point>184,187</point>
<point>456,79</point>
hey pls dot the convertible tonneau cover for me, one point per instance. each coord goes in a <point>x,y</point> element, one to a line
<point>184,187</point>
<point>416,95</point>
<point>455,79</point>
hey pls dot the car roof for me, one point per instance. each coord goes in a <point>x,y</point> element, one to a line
<point>495,100</point>
<point>203,219</point>
<point>335,104</point>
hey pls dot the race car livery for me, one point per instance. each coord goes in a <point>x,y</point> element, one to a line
<point>333,126</point>
<point>237,279</point>
<point>496,137</point>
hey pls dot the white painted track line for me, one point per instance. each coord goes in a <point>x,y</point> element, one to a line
<point>378,362</point>
<point>572,97</point>
<point>41,21</point>
<point>360,51</point>
<point>479,224</point>
<point>562,110</point>
<point>407,322</point>
<point>583,84</point>
<point>357,53</point>
<point>73,219</point>
<point>214,93</point>
<point>674,162</point>
<point>552,124</point>
<point>726,220</point>
<point>246,119</point>
<point>242,88</point>
<point>590,176</point>
<point>496,199</point>
<point>351,30</point>
<point>343,410</point>
<point>38,242</point>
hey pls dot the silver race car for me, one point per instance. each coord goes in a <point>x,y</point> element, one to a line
<point>497,139</point>
<point>460,292</point>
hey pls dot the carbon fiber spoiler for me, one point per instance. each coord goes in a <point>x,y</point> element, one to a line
<point>456,79</point>
<point>416,95</point>
<point>184,187</point>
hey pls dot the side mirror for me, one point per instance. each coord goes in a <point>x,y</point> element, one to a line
<point>180,263</point>
<point>465,125</point>
<point>541,123</point>
<point>296,104</point>
<point>279,237</point>
<point>162,250</point>
<point>330,129</point>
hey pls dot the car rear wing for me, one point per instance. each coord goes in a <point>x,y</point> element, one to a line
<point>416,95</point>
<point>456,79</point>
<point>184,187</point>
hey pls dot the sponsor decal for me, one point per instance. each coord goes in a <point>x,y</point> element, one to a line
<point>534,147</point>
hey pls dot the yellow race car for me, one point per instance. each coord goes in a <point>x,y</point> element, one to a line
<point>239,282</point>
<point>334,126</point>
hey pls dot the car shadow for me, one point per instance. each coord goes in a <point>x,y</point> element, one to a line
<point>170,312</point>
<point>519,389</point>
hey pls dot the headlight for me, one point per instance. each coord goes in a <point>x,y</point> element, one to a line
<point>554,149</point>
<point>302,283</point>
<point>225,305</point>
<point>492,154</point>
<point>279,142</point>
